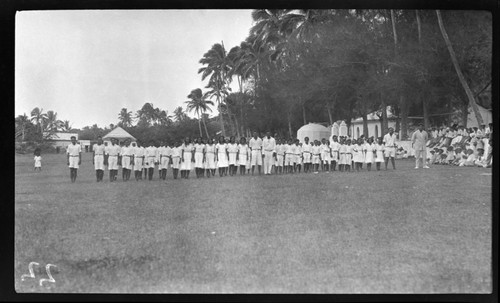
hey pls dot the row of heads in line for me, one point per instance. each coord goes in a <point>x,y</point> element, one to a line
<point>243,140</point>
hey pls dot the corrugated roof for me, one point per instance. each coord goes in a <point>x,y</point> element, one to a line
<point>118,133</point>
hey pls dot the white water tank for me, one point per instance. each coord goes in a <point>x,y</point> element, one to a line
<point>314,131</point>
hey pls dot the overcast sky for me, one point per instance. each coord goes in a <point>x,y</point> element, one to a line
<point>87,65</point>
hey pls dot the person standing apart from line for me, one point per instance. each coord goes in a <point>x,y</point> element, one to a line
<point>256,150</point>
<point>98,159</point>
<point>38,160</point>
<point>418,141</point>
<point>111,159</point>
<point>269,147</point>
<point>74,158</point>
<point>390,147</point>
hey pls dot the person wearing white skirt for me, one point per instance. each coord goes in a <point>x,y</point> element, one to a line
<point>379,153</point>
<point>348,155</point>
<point>187,150</point>
<point>369,150</point>
<point>222,161</point>
<point>280,155</point>
<point>342,151</point>
<point>242,156</point>
<point>232,150</point>
<point>199,149</point>
<point>210,157</point>
<point>358,157</point>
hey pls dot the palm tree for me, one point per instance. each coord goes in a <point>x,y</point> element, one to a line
<point>460,75</point>
<point>22,121</point>
<point>199,104</point>
<point>179,114</point>
<point>53,124</point>
<point>146,114</point>
<point>217,67</point>
<point>65,126</point>
<point>125,117</point>
<point>164,118</point>
<point>38,117</point>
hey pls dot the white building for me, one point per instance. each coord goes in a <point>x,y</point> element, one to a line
<point>314,131</point>
<point>61,140</point>
<point>374,125</point>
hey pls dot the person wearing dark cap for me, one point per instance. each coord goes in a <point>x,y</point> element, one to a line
<point>74,157</point>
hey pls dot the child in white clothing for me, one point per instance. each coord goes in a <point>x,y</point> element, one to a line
<point>38,160</point>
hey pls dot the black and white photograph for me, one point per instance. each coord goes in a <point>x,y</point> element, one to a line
<point>242,151</point>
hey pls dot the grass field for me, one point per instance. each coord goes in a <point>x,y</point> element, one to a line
<point>402,231</point>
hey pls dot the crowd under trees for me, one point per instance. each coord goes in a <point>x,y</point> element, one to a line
<point>300,66</point>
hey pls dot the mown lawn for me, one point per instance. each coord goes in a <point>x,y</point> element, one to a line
<point>402,231</point>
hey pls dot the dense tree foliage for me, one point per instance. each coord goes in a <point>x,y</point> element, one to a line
<point>299,66</point>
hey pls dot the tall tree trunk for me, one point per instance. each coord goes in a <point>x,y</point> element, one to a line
<point>425,111</point>
<point>419,27</point>
<point>329,113</point>
<point>466,87</point>
<point>365,125</point>
<point>205,125</point>
<point>199,125</point>
<point>395,34</point>
<point>404,117</point>
<point>289,124</point>
<point>385,123</point>
<point>464,113</point>
<point>304,113</point>
<point>237,127</point>
<point>424,100</point>
<point>221,120</point>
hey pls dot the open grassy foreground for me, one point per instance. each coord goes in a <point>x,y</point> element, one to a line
<point>403,231</point>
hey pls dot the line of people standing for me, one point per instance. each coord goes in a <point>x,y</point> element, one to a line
<point>227,155</point>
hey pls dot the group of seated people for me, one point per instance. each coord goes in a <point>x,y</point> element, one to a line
<point>460,146</point>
